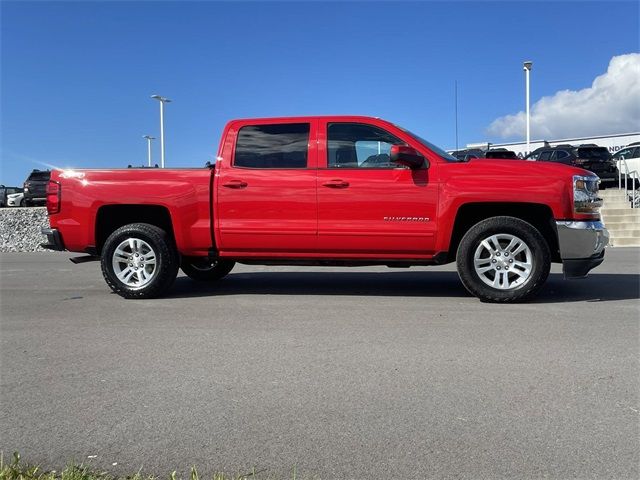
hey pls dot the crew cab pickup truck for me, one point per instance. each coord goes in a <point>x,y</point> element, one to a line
<point>334,191</point>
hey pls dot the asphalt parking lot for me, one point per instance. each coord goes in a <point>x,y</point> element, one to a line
<point>342,373</point>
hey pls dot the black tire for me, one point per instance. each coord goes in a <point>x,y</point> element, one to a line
<point>524,231</point>
<point>204,269</point>
<point>22,203</point>
<point>27,203</point>
<point>166,260</point>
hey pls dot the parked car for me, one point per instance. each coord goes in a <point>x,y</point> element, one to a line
<point>35,187</point>
<point>331,191</point>
<point>15,200</point>
<point>588,156</point>
<point>5,192</point>
<point>501,153</point>
<point>631,156</point>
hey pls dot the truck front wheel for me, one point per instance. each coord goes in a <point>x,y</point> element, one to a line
<point>139,260</point>
<point>204,269</point>
<point>503,259</point>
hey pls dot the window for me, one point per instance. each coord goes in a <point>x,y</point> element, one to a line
<point>629,152</point>
<point>39,175</point>
<point>447,156</point>
<point>560,154</point>
<point>356,145</point>
<point>283,145</point>
<point>595,153</point>
<point>545,156</point>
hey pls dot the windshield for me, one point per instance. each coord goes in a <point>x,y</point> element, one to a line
<point>431,146</point>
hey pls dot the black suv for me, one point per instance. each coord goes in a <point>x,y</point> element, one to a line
<point>588,156</point>
<point>501,153</point>
<point>35,187</point>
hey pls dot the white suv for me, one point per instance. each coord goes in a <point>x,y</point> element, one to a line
<point>631,155</point>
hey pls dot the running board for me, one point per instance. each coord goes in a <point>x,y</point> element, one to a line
<point>85,259</point>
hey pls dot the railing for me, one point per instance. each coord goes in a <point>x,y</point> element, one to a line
<point>634,197</point>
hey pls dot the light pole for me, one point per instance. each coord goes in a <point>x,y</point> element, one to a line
<point>162,101</point>
<point>148,138</point>
<point>527,70</point>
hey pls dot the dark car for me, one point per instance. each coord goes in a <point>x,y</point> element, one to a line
<point>35,187</point>
<point>4,191</point>
<point>468,154</point>
<point>501,153</point>
<point>588,156</point>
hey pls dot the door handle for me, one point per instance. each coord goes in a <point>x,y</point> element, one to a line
<point>336,184</point>
<point>235,184</point>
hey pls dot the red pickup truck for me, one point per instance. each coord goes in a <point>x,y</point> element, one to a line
<point>334,191</point>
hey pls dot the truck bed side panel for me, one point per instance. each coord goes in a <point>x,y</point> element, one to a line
<point>184,193</point>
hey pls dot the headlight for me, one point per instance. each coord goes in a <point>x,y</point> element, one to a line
<point>585,195</point>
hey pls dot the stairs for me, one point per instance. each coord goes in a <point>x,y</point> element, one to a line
<point>622,221</point>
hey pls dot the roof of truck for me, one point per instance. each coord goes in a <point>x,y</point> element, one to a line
<point>307,118</point>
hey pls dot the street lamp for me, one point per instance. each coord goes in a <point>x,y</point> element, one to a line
<point>527,70</point>
<point>148,138</point>
<point>162,101</point>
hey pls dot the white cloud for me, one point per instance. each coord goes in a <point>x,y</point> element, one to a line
<point>610,105</point>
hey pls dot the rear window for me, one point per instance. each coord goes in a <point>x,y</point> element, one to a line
<point>39,176</point>
<point>501,154</point>
<point>282,145</point>
<point>593,152</point>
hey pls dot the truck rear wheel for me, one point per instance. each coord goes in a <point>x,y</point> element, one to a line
<point>139,260</point>
<point>503,259</point>
<point>204,269</point>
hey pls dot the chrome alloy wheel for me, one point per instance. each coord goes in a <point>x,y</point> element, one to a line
<point>503,261</point>
<point>134,262</point>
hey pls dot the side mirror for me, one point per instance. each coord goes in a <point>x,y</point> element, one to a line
<point>407,156</point>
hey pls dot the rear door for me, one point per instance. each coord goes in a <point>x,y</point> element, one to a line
<point>266,189</point>
<point>368,206</point>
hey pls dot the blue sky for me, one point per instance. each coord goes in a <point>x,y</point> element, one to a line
<point>76,77</point>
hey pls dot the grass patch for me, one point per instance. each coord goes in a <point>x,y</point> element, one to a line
<point>16,469</point>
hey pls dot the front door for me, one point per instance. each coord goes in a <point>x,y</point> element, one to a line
<point>266,190</point>
<point>367,205</point>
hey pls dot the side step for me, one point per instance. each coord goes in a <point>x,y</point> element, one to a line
<point>85,259</point>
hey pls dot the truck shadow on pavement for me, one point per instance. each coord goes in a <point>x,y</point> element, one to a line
<point>595,288</point>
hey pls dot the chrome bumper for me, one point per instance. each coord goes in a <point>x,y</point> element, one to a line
<point>581,246</point>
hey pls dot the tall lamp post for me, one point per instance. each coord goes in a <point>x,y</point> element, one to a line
<point>162,101</point>
<point>527,70</point>
<point>148,138</point>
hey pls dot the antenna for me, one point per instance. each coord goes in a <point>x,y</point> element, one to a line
<point>456,107</point>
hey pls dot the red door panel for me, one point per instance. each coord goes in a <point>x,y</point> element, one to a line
<point>266,210</point>
<point>366,205</point>
<point>380,211</point>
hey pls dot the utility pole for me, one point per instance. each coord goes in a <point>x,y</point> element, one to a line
<point>527,70</point>
<point>148,138</point>
<point>162,101</point>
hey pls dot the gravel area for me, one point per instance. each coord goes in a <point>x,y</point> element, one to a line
<point>20,229</point>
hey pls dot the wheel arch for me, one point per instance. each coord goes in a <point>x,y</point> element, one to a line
<point>111,217</point>
<point>538,215</point>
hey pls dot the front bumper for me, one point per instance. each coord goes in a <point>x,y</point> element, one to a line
<point>54,240</point>
<point>582,246</point>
